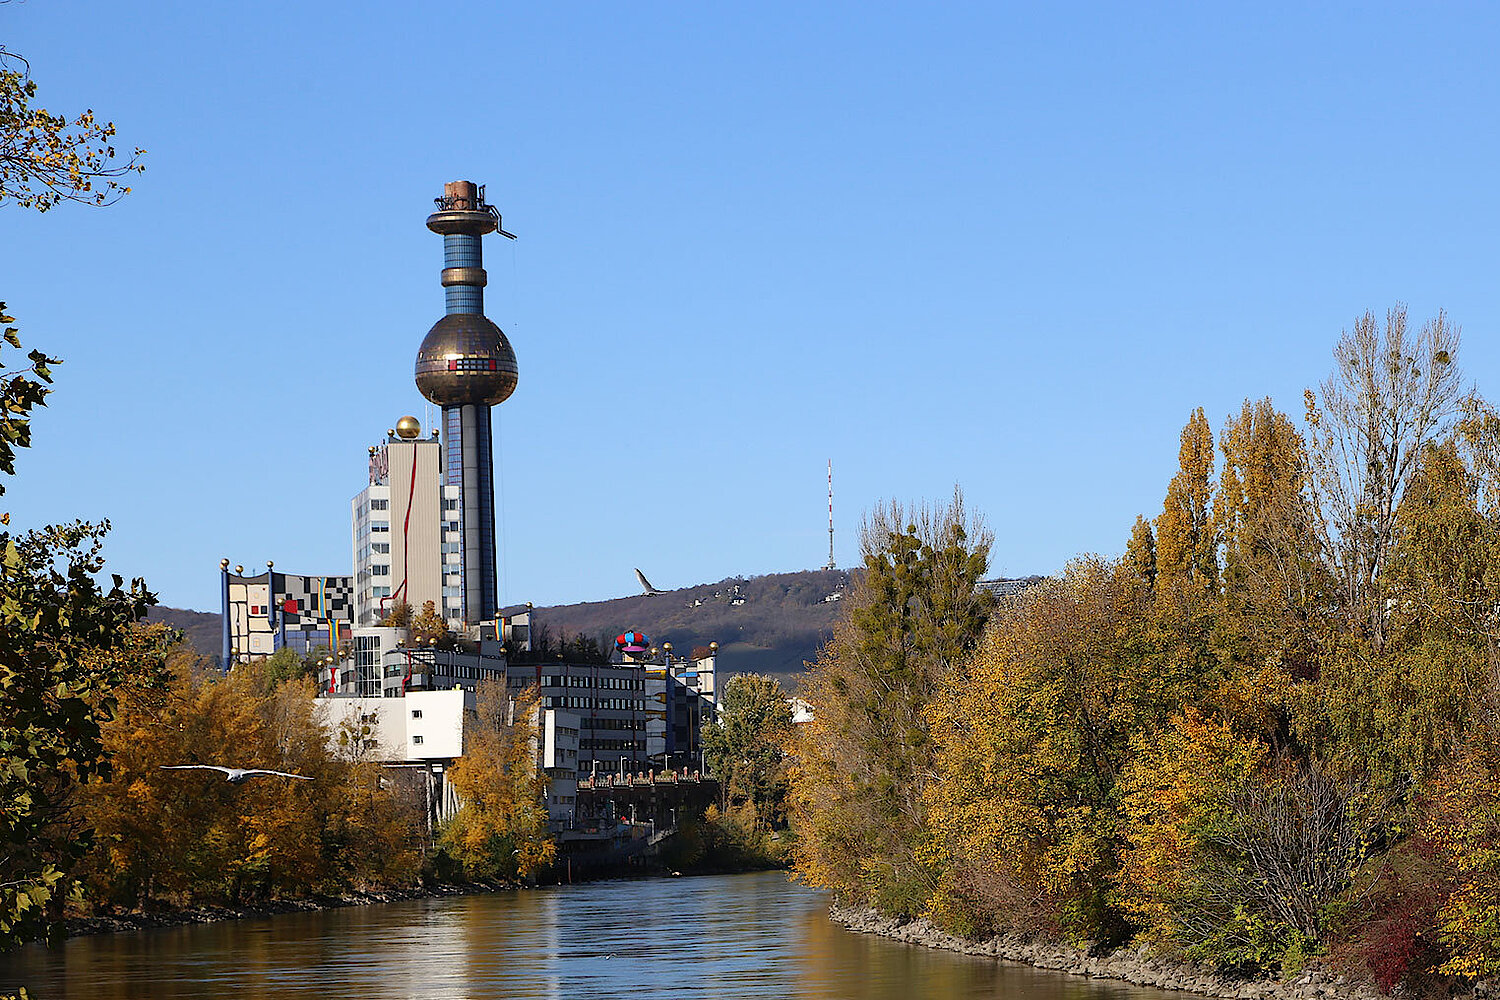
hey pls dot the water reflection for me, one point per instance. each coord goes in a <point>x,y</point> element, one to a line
<point>743,936</point>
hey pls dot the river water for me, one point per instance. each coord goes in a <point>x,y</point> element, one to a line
<point>721,937</point>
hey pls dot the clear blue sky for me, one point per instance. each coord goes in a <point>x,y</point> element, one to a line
<point>1005,246</point>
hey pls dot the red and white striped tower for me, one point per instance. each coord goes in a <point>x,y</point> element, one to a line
<point>831,563</point>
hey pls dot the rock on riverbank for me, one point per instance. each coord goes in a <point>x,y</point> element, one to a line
<point>1132,966</point>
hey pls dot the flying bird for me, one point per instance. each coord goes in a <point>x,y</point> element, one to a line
<point>646,585</point>
<point>234,775</point>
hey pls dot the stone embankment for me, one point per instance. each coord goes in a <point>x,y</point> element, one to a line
<point>1132,966</point>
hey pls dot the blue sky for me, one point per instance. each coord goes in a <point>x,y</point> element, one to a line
<point>1004,246</point>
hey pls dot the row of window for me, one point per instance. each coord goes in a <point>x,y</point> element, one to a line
<point>609,744</point>
<point>597,724</point>
<point>580,702</point>
<point>599,683</point>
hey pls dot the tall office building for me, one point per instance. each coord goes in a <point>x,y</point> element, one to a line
<point>466,365</point>
<point>406,531</point>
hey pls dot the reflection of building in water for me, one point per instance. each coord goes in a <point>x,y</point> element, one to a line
<point>282,610</point>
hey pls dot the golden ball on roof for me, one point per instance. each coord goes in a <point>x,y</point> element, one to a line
<point>408,428</point>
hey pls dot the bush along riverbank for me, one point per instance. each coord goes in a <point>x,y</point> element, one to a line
<point>1132,965</point>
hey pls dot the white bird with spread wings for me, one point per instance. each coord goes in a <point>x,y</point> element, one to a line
<point>234,775</point>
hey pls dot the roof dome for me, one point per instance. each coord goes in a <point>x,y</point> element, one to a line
<point>466,359</point>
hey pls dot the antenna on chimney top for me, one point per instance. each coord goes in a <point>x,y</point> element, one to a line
<point>831,563</point>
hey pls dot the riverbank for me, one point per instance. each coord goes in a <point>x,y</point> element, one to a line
<point>1137,966</point>
<point>135,920</point>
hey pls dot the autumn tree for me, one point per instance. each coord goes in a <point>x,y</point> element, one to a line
<point>428,627</point>
<point>746,746</point>
<point>1032,738</point>
<point>863,765</point>
<point>398,615</point>
<point>61,639</point>
<point>1186,545</point>
<point>1276,592</point>
<point>190,836</point>
<point>501,827</point>
<point>1140,552</point>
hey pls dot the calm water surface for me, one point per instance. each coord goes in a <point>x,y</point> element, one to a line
<point>723,937</point>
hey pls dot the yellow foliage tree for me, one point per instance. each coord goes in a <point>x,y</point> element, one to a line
<point>1186,543</point>
<point>501,830</point>
<point>181,836</point>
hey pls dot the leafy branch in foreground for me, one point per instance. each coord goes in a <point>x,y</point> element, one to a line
<point>48,158</point>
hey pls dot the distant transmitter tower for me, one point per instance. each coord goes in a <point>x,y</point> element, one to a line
<point>831,563</point>
<point>466,365</point>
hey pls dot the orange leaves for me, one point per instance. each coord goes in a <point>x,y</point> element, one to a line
<point>501,828</point>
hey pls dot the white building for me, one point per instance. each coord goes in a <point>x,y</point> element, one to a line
<point>425,730</point>
<point>560,761</point>
<point>406,535</point>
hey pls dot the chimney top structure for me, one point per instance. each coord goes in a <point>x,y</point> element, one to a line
<point>466,365</point>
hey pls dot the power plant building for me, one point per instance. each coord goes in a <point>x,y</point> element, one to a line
<point>270,611</point>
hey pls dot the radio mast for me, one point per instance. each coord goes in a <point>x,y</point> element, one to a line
<point>831,563</point>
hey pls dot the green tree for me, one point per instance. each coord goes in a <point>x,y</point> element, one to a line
<point>864,763</point>
<point>60,632</point>
<point>745,748</point>
<point>1140,552</point>
<point>284,665</point>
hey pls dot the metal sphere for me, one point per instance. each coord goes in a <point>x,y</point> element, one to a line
<point>466,359</point>
<point>408,428</point>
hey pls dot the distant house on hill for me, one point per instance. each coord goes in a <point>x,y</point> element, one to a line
<point>802,711</point>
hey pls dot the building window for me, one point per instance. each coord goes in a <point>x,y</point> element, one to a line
<point>416,740</point>
<point>380,526</point>
<point>416,713</point>
<point>450,505</point>
<point>380,504</point>
<point>380,569</point>
<point>449,526</point>
<point>380,546</point>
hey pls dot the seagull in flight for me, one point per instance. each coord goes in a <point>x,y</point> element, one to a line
<point>234,775</point>
<point>646,585</point>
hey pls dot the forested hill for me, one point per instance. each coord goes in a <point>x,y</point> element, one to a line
<point>201,629</point>
<point>763,624</point>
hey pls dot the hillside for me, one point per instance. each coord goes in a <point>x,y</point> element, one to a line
<point>201,629</point>
<point>763,624</point>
